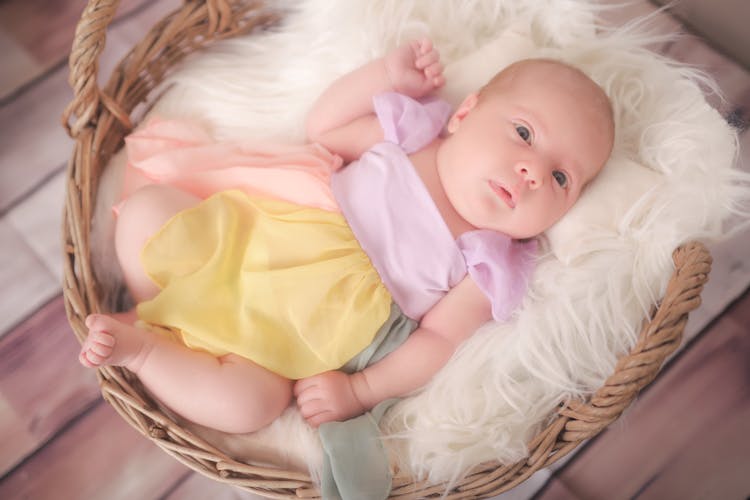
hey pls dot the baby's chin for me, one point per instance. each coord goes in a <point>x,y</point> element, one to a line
<point>517,234</point>
<point>525,232</point>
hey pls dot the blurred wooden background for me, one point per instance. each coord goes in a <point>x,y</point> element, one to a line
<point>687,437</point>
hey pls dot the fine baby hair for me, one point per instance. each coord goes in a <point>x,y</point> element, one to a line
<point>511,164</point>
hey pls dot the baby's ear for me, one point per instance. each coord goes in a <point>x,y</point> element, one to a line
<point>462,111</point>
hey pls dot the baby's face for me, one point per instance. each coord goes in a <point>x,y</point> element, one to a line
<point>519,155</point>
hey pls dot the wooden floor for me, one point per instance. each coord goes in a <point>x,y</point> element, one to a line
<point>687,437</point>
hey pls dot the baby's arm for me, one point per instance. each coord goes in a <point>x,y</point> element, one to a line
<point>342,118</point>
<point>338,396</point>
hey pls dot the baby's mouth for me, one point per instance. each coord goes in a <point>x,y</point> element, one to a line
<point>503,193</point>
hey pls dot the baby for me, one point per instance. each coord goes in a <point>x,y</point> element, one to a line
<point>263,298</point>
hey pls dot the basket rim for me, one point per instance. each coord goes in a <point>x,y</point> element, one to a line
<point>102,120</point>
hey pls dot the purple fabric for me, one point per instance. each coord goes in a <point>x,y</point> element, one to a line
<point>410,124</point>
<point>500,266</point>
<point>398,225</point>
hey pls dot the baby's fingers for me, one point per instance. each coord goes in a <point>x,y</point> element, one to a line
<point>438,81</point>
<point>304,385</point>
<point>424,46</point>
<point>314,410</point>
<point>427,59</point>
<point>311,408</point>
<point>433,70</point>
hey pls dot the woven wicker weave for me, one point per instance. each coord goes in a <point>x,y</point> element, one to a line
<point>98,119</point>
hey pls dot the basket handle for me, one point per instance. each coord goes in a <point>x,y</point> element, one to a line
<point>83,62</point>
<point>88,44</point>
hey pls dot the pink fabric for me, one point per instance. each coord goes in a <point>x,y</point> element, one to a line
<point>182,154</point>
<point>398,225</point>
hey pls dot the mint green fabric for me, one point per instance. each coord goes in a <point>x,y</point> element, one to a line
<point>392,334</point>
<point>355,464</point>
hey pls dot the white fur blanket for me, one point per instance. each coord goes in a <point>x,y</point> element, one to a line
<point>671,179</point>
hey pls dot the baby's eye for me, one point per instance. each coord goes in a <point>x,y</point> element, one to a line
<point>524,133</point>
<point>560,178</point>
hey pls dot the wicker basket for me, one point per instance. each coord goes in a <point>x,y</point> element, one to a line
<point>98,119</point>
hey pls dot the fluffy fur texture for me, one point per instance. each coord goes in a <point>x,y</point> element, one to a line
<point>671,179</point>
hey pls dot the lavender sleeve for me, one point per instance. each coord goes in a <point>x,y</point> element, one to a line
<point>500,266</point>
<point>410,123</point>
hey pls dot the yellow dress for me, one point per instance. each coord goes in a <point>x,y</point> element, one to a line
<point>267,268</point>
<point>283,285</point>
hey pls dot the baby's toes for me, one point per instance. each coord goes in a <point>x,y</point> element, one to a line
<point>97,349</point>
<point>100,322</point>
<point>102,338</point>
<point>90,359</point>
<point>102,345</point>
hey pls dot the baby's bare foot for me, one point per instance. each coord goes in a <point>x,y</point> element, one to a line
<point>97,349</point>
<point>112,342</point>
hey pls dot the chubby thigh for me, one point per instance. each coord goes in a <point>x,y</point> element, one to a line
<point>140,217</point>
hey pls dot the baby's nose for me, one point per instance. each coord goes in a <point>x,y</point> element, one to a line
<point>530,173</point>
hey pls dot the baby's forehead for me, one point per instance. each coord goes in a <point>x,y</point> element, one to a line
<point>543,74</point>
<point>527,79</point>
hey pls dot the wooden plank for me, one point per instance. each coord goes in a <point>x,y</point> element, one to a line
<point>38,219</point>
<point>28,284</point>
<point>42,386</point>
<point>715,465</point>
<point>556,490</point>
<point>34,144</point>
<point>44,30</point>
<point>17,62</point>
<point>691,399</point>
<point>100,456</point>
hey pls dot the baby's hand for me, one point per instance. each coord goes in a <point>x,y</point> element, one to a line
<point>414,69</point>
<point>327,397</point>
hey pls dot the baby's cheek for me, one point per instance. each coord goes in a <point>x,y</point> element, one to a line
<point>568,203</point>
<point>557,211</point>
<point>541,217</point>
<point>488,202</point>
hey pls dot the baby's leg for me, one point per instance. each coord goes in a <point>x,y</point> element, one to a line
<point>230,393</point>
<point>142,215</point>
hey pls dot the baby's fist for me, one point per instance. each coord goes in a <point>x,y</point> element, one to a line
<point>327,397</point>
<point>414,69</point>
